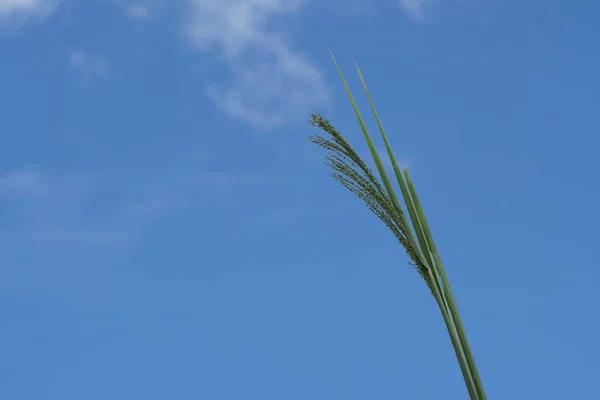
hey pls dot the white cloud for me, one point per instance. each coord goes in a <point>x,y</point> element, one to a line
<point>88,66</point>
<point>223,180</point>
<point>20,10</point>
<point>72,236</point>
<point>28,183</point>
<point>269,79</point>
<point>143,9</point>
<point>137,11</point>
<point>150,208</point>
<point>119,230</point>
<point>419,10</point>
<point>55,211</point>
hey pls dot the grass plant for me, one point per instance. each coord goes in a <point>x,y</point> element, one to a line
<point>415,236</point>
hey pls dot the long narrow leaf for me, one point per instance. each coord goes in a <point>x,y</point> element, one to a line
<point>352,172</point>
<point>343,159</point>
<point>403,188</point>
<point>423,235</point>
<point>380,168</point>
<point>447,290</point>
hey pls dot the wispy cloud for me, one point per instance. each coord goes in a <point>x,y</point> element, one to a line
<point>73,244</point>
<point>116,231</point>
<point>420,10</point>
<point>88,66</point>
<point>29,183</point>
<point>144,9</point>
<point>8,7</point>
<point>66,224</point>
<point>269,79</point>
<point>137,11</point>
<point>224,180</point>
<point>16,12</point>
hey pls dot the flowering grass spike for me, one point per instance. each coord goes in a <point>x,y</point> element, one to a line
<point>415,236</point>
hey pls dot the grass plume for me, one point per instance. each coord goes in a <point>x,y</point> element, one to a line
<point>348,168</point>
<point>354,174</point>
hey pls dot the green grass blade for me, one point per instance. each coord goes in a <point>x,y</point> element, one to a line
<point>447,290</point>
<point>346,162</point>
<point>381,169</point>
<point>423,244</point>
<point>460,356</point>
<point>403,188</point>
<point>422,231</point>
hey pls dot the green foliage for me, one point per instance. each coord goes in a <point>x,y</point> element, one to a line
<point>352,172</point>
<point>416,238</point>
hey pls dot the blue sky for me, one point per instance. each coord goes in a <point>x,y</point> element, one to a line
<point>167,230</point>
